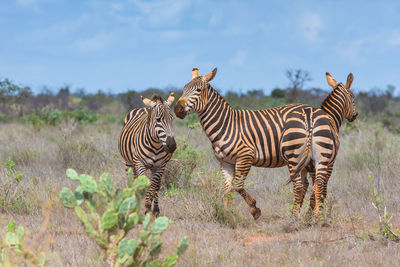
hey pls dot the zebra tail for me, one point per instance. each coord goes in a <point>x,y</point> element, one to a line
<point>306,154</point>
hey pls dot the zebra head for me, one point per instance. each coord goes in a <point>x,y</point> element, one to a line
<point>193,98</point>
<point>350,109</point>
<point>161,119</point>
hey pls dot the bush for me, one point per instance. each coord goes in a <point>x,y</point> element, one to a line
<point>55,116</point>
<point>109,216</point>
<point>189,120</point>
<point>14,251</point>
<point>82,155</point>
<point>278,93</point>
<point>211,190</point>
<point>180,168</point>
<point>12,194</point>
<point>5,118</point>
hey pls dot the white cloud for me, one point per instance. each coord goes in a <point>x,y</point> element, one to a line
<point>239,58</point>
<point>171,35</point>
<point>236,30</point>
<point>394,38</point>
<point>26,2</point>
<point>117,6</point>
<point>94,43</point>
<point>162,12</point>
<point>213,20</point>
<point>310,26</point>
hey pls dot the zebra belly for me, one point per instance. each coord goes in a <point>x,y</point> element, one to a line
<point>222,156</point>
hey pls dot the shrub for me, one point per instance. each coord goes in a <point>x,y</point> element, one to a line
<point>5,118</point>
<point>14,251</point>
<point>211,190</point>
<point>82,116</point>
<point>379,202</point>
<point>111,214</point>
<point>189,120</point>
<point>34,120</point>
<point>278,93</point>
<point>55,116</point>
<point>12,194</point>
<point>82,155</point>
<point>180,168</point>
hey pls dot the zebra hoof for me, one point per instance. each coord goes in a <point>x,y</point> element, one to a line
<point>256,212</point>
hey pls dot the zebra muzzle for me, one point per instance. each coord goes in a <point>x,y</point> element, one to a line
<point>179,110</point>
<point>170,145</point>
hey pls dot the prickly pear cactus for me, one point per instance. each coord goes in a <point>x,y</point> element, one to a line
<point>13,251</point>
<point>108,214</point>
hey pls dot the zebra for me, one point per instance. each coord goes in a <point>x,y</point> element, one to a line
<point>240,139</point>
<point>324,142</point>
<point>146,142</point>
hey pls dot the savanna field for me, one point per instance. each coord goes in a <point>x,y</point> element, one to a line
<point>42,136</point>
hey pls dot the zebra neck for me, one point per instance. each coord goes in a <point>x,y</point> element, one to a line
<point>215,112</point>
<point>150,132</point>
<point>333,105</point>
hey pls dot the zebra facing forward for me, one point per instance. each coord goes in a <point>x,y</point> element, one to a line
<point>146,142</point>
<point>240,139</point>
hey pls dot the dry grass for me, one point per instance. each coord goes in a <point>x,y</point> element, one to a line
<point>217,236</point>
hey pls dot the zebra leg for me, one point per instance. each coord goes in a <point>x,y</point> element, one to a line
<point>300,186</point>
<point>242,169</point>
<point>152,192</point>
<point>320,186</point>
<point>127,167</point>
<point>227,171</point>
<point>311,170</point>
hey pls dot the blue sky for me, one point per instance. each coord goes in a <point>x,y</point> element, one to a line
<point>136,44</point>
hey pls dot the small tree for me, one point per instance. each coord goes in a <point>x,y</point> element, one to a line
<point>297,79</point>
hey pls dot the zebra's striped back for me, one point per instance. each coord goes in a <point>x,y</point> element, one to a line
<point>235,132</point>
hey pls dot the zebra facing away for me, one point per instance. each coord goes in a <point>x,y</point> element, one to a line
<point>146,142</point>
<point>324,141</point>
<point>266,138</point>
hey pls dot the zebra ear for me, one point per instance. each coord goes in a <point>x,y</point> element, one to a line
<point>147,102</point>
<point>195,73</point>
<point>170,99</point>
<point>332,82</point>
<point>349,80</point>
<point>208,77</point>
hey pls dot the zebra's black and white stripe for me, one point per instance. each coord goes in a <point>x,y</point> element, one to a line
<point>147,142</point>
<point>243,138</point>
<point>326,122</point>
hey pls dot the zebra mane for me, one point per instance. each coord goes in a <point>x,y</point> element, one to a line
<point>326,99</point>
<point>157,98</point>
<point>328,96</point>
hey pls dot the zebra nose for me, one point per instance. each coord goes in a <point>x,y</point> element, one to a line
<point>171,144</point>
<point>179,110</point>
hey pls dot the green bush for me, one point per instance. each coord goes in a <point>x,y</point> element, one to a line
<point>278,93</point>
<point>110,214</point>
<point>189,120</point>
<point>13,249</point>
<point>12,194</point>
<point>5,118</point>
<point>55,116</point>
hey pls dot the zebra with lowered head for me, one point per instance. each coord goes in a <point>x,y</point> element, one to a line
<point>146,142</point>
